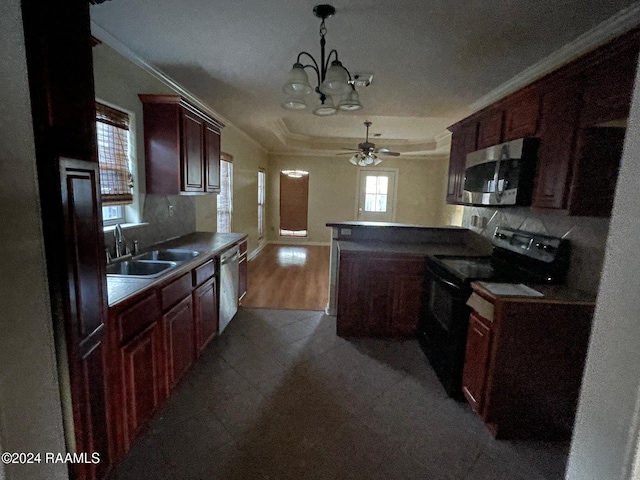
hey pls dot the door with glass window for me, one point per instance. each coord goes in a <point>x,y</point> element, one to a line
<point>376,196</point>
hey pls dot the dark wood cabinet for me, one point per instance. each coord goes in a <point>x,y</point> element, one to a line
<point>490,129</point>
<point>243,271</point>
<point>522,115</point>
<point>137,386</point>
<point>476,360</point>
<point>559,112</point>
<point>205,307</point>
<point>609,85</point>
<point>575,167</point>
<point>182,147</point>
<point>57,41</point>
<point>178,326</point>
<point>523,367</point>
<point>143,386</point>
<point>463,141</point>
<point>379,296</point>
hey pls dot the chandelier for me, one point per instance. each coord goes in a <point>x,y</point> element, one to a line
<point>333,80</point>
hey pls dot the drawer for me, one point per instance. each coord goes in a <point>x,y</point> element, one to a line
<point>138,317</point>
<point>175,291</point>
<point>204,272</point>
<point>243,247</point>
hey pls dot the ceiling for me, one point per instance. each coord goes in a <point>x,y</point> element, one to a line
<point>431,62</point>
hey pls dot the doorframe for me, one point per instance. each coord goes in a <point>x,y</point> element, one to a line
<point>361,170</point>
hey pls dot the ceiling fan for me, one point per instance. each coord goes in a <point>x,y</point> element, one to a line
<point>367,152</point>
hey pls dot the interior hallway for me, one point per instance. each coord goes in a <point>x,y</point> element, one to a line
<point>280,396</point>
<point>289,277</point>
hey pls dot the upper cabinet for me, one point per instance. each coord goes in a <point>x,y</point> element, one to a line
<point>579,113</point>
<point>182,147</point>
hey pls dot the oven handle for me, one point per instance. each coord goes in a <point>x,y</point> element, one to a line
<point>437,277</point>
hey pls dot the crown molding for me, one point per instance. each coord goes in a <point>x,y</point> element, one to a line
<point>102,35</point>
<point>614,26</point>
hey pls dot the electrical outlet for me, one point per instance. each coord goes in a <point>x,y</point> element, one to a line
<point>172,211</point>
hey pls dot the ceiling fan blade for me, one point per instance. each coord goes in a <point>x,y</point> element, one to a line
<point>386,151</point>
<point>349,153</point>
<point>350,149</point>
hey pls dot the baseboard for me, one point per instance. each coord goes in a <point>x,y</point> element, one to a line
<point>255,252</point>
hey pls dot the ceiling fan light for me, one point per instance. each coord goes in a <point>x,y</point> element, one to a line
<point>351,101</point>
<point>294,103</point>
<point>377,161</point>
<point>336,81</point>
<point>298,83</point>
<point>354,160</point>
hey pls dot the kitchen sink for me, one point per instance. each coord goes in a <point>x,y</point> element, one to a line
<point>169,255</point>
<point>147,269</point>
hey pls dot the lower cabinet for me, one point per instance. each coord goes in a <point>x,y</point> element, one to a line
<point>523,367</point>
<point>205,306</point>
<point>476,360</point>
<point>143,385</point>
<point>179,336</point>
<point>379,296</point>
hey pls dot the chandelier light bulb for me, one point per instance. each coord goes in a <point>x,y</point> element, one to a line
<point>298,83</point>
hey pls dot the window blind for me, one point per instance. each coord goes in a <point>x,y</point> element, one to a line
<point>116,181</point>
<point>294,202</point>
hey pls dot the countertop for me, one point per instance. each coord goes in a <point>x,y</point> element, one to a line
<point>391,225</point>
<point>552,294</point>
<point>411,249</point>
<point>208,244</point>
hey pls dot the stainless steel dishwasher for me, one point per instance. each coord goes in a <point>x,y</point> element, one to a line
<point>228,286</point>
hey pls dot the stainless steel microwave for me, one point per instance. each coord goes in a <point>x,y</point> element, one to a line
<point>502,174</point>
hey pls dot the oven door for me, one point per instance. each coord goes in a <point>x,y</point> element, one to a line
<point>446,303</point>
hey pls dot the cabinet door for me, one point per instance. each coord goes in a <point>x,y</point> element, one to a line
<point>192,153</point>
<point>212,158</point>
<point>490,129</point>
<point>476,362</point>
<point>205,306</point>
<point>558,126</point>
<point>463,142</point>
<point>608,88</point>
<point>179,340</point>
<point>521,116</point>
<point>141,378</point>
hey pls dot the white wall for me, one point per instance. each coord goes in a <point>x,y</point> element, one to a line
<point>248,157</point>
<point>30,411</point>
<point>606,431</point>
<point>333,187</point>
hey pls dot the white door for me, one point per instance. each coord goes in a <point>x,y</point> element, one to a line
<point>376,195</point>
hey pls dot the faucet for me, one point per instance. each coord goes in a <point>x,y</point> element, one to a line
<point>120,242</point>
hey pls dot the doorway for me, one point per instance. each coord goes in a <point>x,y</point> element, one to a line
<point>377,191</point>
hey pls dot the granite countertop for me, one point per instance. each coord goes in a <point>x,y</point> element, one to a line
<point>411,249</point>
<point>392,225</point>
<point>208,244</point>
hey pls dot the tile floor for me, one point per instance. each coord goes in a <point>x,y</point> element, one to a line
<point>280,396</point>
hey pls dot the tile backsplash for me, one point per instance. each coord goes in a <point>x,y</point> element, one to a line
<point>588,237</point>
<point>164,223</point>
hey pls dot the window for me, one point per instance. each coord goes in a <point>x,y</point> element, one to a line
<point>261,180</point>
<point>376,191</point>
<point>294,203</point>
<point>116,181</point>
<point>225,197</point>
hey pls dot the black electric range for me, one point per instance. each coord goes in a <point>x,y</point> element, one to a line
<point>517,257</point>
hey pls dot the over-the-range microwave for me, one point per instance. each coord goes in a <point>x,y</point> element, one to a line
<point>502,174</point>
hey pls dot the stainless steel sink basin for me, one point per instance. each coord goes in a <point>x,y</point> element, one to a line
<point>147,269</point>
<point>169,255</point>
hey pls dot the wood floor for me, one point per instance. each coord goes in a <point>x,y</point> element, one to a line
<point>289,277</point>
